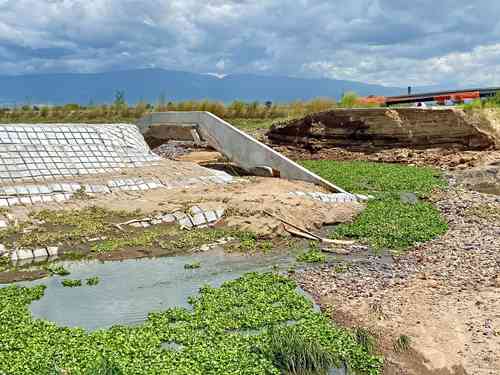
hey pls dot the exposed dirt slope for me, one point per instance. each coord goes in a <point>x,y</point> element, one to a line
<point>373,128</point>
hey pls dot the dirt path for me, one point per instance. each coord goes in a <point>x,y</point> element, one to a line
<point>444,295</point>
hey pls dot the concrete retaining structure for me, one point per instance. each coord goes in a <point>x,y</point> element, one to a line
<point>234,144</point>
<point>40,152</point>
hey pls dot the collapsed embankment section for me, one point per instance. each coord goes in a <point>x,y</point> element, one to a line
<point>389,128</point>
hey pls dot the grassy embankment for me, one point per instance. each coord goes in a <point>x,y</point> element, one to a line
<point>233,329</point>
<point>387,222</point>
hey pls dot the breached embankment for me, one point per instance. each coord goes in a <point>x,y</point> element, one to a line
<point>382,128</point>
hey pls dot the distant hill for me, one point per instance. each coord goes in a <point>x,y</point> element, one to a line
<point>150,84</point>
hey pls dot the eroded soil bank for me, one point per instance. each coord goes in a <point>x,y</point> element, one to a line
<point>444,295</point>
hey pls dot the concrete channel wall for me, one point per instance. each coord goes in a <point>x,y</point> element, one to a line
<point>231,142</point>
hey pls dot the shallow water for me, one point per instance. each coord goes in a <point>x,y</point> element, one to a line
<point>130,289</point>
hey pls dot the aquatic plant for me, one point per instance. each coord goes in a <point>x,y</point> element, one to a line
<point>92,281</point>
<point>312,256</point>
<point>365,339</point>
<point>209,333</point>
<point>387,223</point>
<point>57,269</point>
<point>68,283</point>
<point>192,266</point>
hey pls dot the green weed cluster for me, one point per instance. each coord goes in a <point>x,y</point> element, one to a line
<point>312,256</point>
<point>211,335</point>
<point>69,283</point>
<point>294,353</point>
<point>57,269</point>
<point>93,281</point>
<point>192,266</point>
<point>387,222</point>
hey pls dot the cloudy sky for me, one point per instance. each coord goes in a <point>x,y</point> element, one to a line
<point>390,42</point>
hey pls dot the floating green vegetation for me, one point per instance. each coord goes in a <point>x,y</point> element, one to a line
<point>93,281</point>
<point>69,283</point>
<point>57,269</point>
<point>192,266</point>
<point>387,222</point>
<point>313,255</point>
<point>371,178</point>
<point>211,335</point>
<point>391,224</point>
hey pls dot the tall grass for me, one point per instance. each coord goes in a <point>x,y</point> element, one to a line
<point>121,112</point>
<point>295,354</point>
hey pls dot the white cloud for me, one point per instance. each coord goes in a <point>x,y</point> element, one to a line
<point>380,41</point>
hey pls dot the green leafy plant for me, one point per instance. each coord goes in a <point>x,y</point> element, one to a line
<point>312,256</point>
<point>211,334</point>
<point>57,269</point>
<point>192,266</point>
<point>69,283</point>
<point>391,224</point>
<point>104,367</point>
<point>92,281</point>
<point>387,223</point>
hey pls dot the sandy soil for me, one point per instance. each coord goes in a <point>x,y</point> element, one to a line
<point>245,202</point>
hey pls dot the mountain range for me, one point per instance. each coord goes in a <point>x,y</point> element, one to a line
<point>151,84</point>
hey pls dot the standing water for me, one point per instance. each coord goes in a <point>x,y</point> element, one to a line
<point>129,290</point>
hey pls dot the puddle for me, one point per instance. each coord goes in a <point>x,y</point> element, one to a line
<point>130,289</point>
